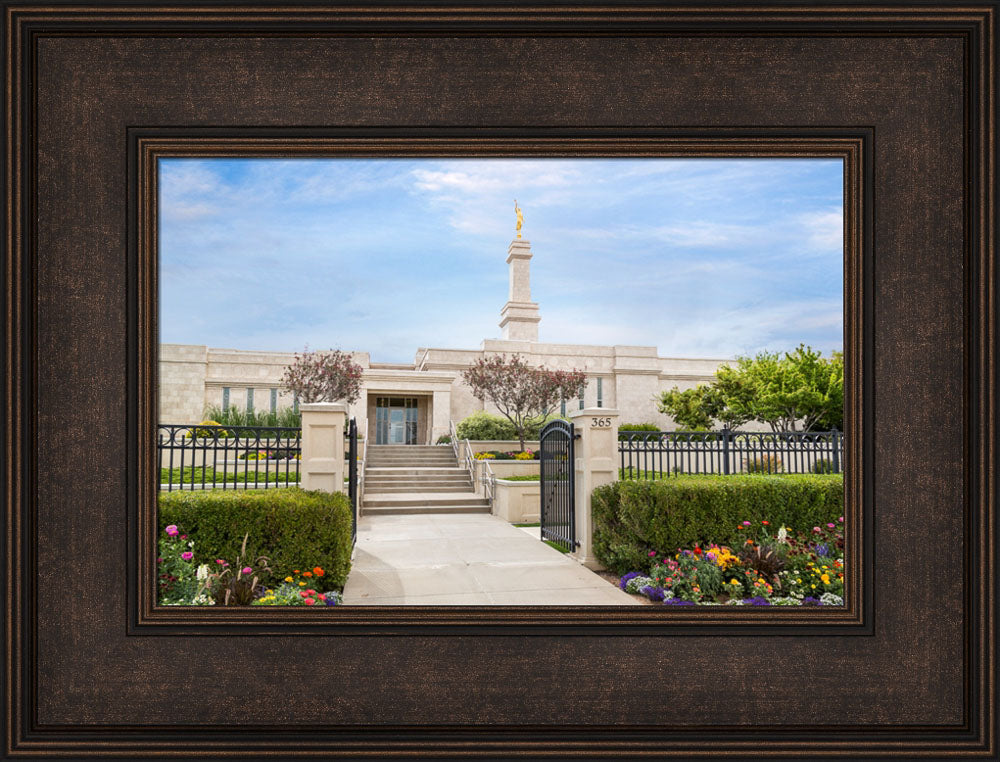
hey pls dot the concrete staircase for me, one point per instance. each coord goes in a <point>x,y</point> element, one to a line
<point>406,479</point>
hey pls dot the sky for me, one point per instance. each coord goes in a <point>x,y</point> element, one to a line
<point>697,257</point>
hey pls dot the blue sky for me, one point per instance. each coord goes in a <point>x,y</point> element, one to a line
<point>698,257</point>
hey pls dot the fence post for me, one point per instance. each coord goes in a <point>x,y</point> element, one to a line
<point>323,446</point>
<point>596,456</point>
<point>725,449</point>
<point>836,451</point>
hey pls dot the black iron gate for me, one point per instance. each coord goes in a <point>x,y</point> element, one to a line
<point>558,515</point>
<point>352,474</point>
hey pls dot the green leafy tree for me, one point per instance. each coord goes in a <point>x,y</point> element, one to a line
<point>794,391</point>
<point>690,408</point>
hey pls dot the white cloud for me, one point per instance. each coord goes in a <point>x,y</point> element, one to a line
<point>824,230</point>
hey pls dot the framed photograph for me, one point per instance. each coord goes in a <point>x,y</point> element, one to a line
<point>219,543</point>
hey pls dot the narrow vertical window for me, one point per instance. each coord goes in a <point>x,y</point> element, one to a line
<point>249,399</point>
<point>274,400</point>
<point>562,409</point>
<point>600,392</point>
<point>295,402</point>
<point>225,398</point>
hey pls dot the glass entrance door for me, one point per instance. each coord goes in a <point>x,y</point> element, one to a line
<point>395,420</point>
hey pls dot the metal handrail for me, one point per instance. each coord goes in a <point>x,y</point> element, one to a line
<point>489,481</point>
<point>469,465</point>
<point>453,434</point>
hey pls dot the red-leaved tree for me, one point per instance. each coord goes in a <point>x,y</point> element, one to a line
<point>323,377</point>
<point>523,395</point>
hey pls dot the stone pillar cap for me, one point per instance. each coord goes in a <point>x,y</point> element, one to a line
<point>323,407</point>
<point>598,411</point>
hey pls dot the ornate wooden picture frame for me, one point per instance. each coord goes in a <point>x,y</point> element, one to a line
<point>904,94</point>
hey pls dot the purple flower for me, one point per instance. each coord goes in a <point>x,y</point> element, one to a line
<point>653,593</point>
<point>756,601</point>
<point>746,523</point>
<point>677,602</point>
<point>810,601</point>
<point>187,555</point>
<point>172,530</point>
<point>625,579</point>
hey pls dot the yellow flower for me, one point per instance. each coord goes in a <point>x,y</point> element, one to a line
<point>303,584</point>
<point>826,579</point>
<point>288,579</point>
<point>813,587</point>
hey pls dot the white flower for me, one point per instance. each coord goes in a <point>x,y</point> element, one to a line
<point>202,572</point>
<point>782,534</point>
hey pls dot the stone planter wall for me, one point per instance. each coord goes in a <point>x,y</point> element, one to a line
<point>517,502</point>
<point>502,469</point>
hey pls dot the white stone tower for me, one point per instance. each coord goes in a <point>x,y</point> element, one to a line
<point>519,316</point>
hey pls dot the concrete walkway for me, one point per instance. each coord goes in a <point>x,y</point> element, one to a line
<point>466,559</point>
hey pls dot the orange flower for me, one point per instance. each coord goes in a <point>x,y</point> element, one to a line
<point>318,571</point>
<point>296,571</point>
<point>307,574</point>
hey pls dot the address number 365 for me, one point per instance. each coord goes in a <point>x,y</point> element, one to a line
<point>600,423</point>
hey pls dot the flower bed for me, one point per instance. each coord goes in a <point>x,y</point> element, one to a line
<point>182,581</point>
<point>788,569</point>
<point>632,518</point>
<point>290,529</point>
<point>512,455</point>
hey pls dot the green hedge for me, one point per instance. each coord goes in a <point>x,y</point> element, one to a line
<point>632,518</point>
<point>295,529</point>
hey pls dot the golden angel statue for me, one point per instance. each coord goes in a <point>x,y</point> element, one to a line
<point>520,218</point>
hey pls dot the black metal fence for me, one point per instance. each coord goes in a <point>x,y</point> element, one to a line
<point>193,456</point>
<point>352,474</point>
<point>558,510</point>
<point>659,454</point>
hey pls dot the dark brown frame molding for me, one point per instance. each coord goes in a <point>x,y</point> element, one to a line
<point>448,681</point>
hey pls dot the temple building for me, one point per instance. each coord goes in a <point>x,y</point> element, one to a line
<point>412,403</point>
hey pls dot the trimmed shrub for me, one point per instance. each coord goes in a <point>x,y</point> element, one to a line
<point>295,529</point>
<point>444,439</point>
<point>630,428</point>
<point>632,518</point>
<point>485,426</point>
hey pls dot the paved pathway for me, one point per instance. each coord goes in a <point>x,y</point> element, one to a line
<point>466,559</point>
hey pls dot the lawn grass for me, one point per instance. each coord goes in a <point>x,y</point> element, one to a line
<point>199,475</point>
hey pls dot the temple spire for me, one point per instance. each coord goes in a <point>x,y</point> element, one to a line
<point>519,317</point>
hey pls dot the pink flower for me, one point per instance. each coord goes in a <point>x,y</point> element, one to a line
<point>817,529</point>
<point>246,570</point>
<point>746,523</point>
<point>310,601</point>
<point>187,555</point>
<point>652,553</point>
<point>172,530</point>
<point>159,560</point>
<point>829,526</point>
<point>184,536</point>
<point>841,518</point>
<point>220,561</point>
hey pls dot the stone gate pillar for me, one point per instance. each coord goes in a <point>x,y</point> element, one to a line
<point>596,456</point>
<point>322,466</point>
